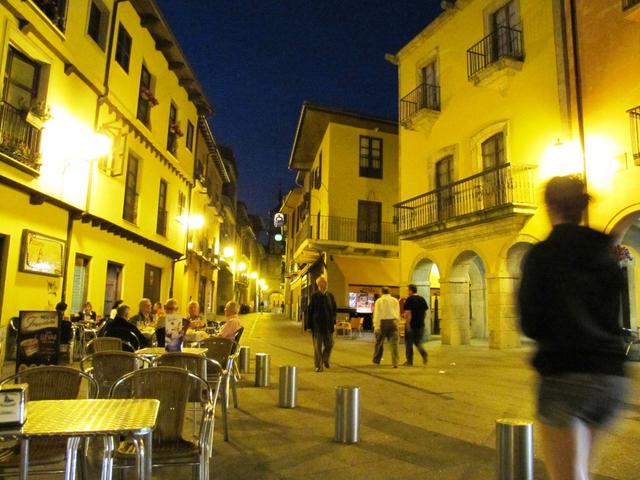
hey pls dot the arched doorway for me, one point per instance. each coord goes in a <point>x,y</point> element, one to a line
<point>627,234</point>
<point>426,277</point>
<point>466,299</point>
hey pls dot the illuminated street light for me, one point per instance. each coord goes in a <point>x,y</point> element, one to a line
<point>254,275</point>
<point>228,252</point>
<point>242,267</point>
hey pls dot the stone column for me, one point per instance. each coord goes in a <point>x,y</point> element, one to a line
<point>503,311</point>
<point>454,304</point>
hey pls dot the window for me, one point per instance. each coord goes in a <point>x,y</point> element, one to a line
<point>430,89</point>
<point>190,136</point>
<point>493,151</point>
<point>21,80</point>
<point>130,211</point>
<point>369,221</point>
<point>123,48</point>
<point>98,22</point>
<point>182,204</point>
<point>444,178</point>
<point>505,24</point>
<point>80,282</point>
<point>316,179</point>
<point>54,10</point>
<point>370,157</point>
<point>172,137</point>
<point>144,102</point>
<point>161,223</point>
<point>634,119</point>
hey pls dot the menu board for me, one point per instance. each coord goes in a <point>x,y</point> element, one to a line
<point>38,339</point>
<point>173,333</point>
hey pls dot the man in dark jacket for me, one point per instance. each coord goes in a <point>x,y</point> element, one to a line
<point>415,310</point>
<point>321,315</point>
<point>569,303</point>
<point>120,327</point>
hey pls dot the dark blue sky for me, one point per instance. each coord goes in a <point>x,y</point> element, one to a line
<point>258,60</point>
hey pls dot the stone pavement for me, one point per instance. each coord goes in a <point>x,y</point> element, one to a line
<point>433,422</point>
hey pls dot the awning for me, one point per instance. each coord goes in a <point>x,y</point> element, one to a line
<point>369,271</point>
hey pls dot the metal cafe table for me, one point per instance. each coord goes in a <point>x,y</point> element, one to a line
<point>77,419</point>
<point>152,352</point>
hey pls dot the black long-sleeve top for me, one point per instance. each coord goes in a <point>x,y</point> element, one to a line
<point>321,312</point>
<point>569,303</point>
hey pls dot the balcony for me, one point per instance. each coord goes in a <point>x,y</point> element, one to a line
<point>496,193</point>
<point>341,234</point>
<point>495,58</point>
<point>20,142</point>
<point>421,107</point>
<point>631,9</point>
<point>54,10</point>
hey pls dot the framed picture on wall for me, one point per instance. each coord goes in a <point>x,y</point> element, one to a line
<point>41,254</point>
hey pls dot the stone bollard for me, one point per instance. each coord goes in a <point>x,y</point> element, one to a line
<point>244,359</point>
<point>514,447</point>
<point>347,414</point>
<point>262,369</point>
<point>288,386</point>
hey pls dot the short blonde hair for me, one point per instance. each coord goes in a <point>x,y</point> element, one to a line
<point>232,306</point>
<point>171,304</point>
<point>321,278</point>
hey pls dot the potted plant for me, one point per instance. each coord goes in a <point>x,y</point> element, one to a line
<point>176,130</point>
<point>38,113</point>
<point>148,95</point>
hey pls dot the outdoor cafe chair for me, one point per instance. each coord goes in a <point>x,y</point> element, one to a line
<point>104,344</point>
<point>45,383</point>
<point>108,366</point>
<point>234,353</point>
<point>173,387</point>
<point>220,349</point>
<point>199,365</point>
<point>356,326</point>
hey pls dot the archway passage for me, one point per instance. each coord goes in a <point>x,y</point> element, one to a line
<point>464,297</point>
<point>627,231</point>
<point>426,276</point>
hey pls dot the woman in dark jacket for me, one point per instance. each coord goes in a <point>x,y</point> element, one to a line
<point>569,303</point>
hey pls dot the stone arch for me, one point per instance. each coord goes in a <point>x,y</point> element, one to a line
<point>425,275</point>
<point>464,298</point>
<point>626,230</point>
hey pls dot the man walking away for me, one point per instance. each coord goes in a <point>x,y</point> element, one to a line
<point>321,315</point>
<point>415,308</point>
<point>386,314</point>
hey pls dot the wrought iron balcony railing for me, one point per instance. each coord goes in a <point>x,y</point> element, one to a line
<point>506,185</point>
<point>342,229</point>
<point>634,117</point>
<point>504,42</point>
<point>627,4</point>
<point>54,10</point>
<point>424,96</point>
<point>19,139</point>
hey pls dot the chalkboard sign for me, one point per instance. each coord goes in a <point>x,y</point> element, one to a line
<point>38,339</point>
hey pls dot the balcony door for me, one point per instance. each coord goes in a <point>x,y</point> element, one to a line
<point>444,194</point>
<point>152,282</point>
<point>113,286</point>
<point>369,221</point>
<point>493,180</point>
<point>429,97</point>
<point>505,42</point>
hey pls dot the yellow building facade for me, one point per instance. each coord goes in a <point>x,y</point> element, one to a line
<point>492,104</point>
<point>98,120</point>
<point>340,220</point>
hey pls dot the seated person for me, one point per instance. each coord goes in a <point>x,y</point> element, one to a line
<point>87,314</point>
<point>196,322</point>
<point>170,308</point>
<point>120,323</point>
<point>144,317</point>
<point>232,323</point>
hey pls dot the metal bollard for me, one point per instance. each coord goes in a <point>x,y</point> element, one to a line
<point>514,446</point>
<point>347,414</point>
<point>262,369</point>
<point>288,386</point>
<point>244,359</point>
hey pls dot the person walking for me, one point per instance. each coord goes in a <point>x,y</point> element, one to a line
<point>321,315</point>
<point>569,302</point>
<point>386,314</point>
<point>415,308</point>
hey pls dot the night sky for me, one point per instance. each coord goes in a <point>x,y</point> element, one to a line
<point>258,60</point>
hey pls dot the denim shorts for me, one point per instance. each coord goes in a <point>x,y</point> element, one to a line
<point>595,399</point>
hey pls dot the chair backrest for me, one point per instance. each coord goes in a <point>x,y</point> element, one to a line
<point>108,366</point>
<point>219,349</point>
<point>356,323</point>
<point>172,387</point>
<point>236,338</point>
<point>199,365</point>
<point>129,341</point>
<point>53,382</point>
<point>104,344</point>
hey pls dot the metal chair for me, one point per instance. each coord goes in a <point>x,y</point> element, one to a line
<point>106,344</point>
<point>108,366</point>
<point>46,383</point>
<point>199,365</point>
<point>356,326</point>
<point>220,349</point>
<point>173,387</point>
